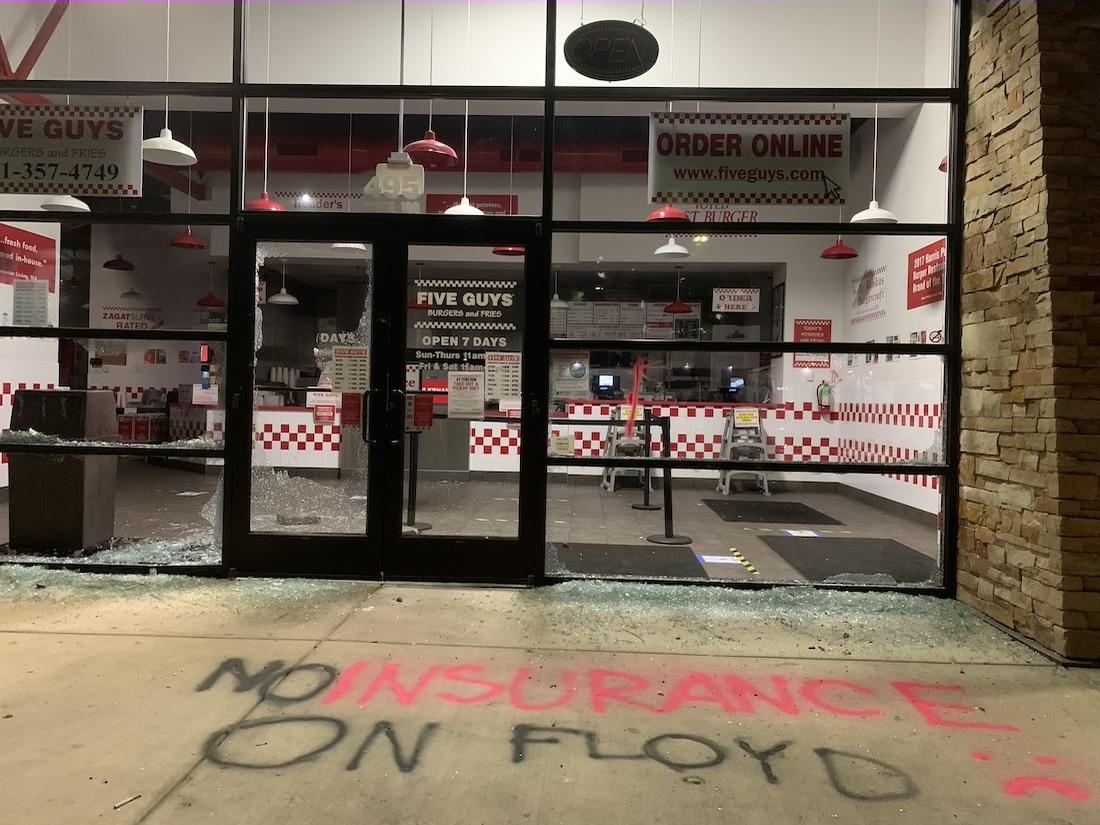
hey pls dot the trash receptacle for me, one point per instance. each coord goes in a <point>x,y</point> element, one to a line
<point>62,503</point>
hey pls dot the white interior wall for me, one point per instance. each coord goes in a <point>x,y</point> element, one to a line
<point>793,43</point>
<point>169,281</point>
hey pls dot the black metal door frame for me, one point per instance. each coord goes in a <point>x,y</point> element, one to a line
<point>384,552</point>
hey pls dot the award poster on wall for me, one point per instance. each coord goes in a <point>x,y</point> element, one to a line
<point>569,376</point>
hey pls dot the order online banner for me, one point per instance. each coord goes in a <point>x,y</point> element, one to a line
<point>748,158</point>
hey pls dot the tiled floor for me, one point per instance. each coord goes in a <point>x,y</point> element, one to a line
<point>158,504</point>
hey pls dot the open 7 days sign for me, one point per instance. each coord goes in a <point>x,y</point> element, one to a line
<point>71,150</point>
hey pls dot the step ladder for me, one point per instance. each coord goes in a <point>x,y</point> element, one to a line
<point>619,446</point>
<point>747,444</point>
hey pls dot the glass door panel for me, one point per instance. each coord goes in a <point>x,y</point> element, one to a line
<point>463,388</point>
<point>312,370</point>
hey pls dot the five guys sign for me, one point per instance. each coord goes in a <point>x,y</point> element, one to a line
<point>71,150</point>
<point>748,158</point>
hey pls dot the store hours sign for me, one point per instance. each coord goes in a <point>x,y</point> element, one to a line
<point>71,150</point>
<point>476,313</point>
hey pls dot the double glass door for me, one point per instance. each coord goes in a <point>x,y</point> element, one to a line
<point>386,403</point>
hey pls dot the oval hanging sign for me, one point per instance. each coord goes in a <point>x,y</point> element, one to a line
<point>611,50</point>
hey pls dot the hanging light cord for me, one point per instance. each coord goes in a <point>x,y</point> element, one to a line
<point>267,100</point>
<point>190,141</point>
<point>349,159</point>
<point>167,52</point>
<point>431,58</point>
<point>878,53</point>
<point>466,131</point>
<point>699,56</point>
<point>401,82</point>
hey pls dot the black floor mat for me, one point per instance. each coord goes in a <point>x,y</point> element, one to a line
<point>766,511</point>
<point>640,561</point>
<point>819,559</point>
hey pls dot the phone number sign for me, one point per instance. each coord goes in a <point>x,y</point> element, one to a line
<point>71,150</point>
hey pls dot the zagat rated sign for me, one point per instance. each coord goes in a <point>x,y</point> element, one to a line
<point>71,150</point>
<point>477,313</point>
<point>730,158</point>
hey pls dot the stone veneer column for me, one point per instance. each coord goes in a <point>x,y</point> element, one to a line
<point>1029,536</point>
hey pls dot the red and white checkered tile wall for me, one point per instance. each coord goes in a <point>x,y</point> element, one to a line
<point>896,415</point>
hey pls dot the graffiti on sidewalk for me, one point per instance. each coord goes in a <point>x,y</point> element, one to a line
<point>389,686</point>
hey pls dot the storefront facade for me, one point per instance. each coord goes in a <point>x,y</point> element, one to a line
<point>361,383</point>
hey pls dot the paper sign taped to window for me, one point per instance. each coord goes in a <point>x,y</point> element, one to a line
<point>745,417</point>
<point>466,395</point>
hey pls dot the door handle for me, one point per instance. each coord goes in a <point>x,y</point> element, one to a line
<point>363,416</point>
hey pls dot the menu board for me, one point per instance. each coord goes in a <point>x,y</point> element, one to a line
<point>31,303</point>
<point>350,369</point>
<point>602,320</point>
<point>502,375</point>
<point>662,326</point>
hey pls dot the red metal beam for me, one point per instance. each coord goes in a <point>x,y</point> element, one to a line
<point>29,99</point>
<point>5,66</point>
<point>38,45</point>
<point>177,180</point>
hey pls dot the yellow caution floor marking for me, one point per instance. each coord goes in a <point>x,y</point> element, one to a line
<point>744,562</point>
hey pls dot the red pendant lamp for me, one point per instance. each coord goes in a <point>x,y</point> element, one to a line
<point>119,264</point>
<point>839,251</point>
<point>668,214</point>
<point>210,301</point>
<point>188,240</point>
<point>429,151</point>
<point>264,203</point>
<point>432,153</point>
<point>510,251</point>
<point>678,307</point>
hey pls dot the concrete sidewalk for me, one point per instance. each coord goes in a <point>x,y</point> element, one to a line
<point>254,701</point>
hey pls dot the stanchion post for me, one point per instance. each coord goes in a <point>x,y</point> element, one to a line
<point>646,481</point>
<point>669,536</point>
<point>414,464</point>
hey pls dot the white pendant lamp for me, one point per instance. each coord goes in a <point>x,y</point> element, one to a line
<point>165,149</point>
<point>64,203</point>
<point>875,213</point>
<point>464,207</point>
<point>556,302</point>
<point>671,249</point>
<point>131,294</point>
<point>282,297</point>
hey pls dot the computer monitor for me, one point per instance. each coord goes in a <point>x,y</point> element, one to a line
<point>605,382</point>
<point>737,383</point>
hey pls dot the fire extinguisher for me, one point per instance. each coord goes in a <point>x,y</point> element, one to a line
<point>824,395</point>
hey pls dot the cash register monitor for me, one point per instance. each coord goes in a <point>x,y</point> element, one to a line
<point>606,382</point>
